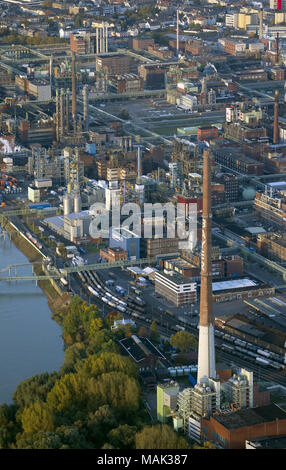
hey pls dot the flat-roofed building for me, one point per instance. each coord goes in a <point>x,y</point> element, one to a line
<point>176,288</point>
<point>232,430</point>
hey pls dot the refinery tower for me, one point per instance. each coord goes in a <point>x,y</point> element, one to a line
<point>206,355</point>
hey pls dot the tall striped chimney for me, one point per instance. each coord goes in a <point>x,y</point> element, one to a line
<point>206,356</point>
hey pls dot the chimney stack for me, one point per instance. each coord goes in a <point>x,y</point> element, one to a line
<point>277,49</point>
<point>261,24</point>
<point>206,355</point>
<point>275,123</point>
<point>85,107</point>
<point>73,86</point>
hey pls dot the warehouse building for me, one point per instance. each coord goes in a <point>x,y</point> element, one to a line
<point>240,288</point>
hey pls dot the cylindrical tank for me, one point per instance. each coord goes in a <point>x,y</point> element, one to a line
<point>77,203</point>
<point>67,202</point>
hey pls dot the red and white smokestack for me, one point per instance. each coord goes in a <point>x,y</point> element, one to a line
<point>206,355</point>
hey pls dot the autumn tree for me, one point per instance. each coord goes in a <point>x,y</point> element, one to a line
<point>94,365</point>
<point>35,388</point>
<point>161,436</point>
<point>69,391</point>
<point>183,341</point>
<point>37,417</point>
<point>142,331</point>
<point>122,437</point>
<point>206,445</point>
<point>154,331</point>
<point>115,389</point>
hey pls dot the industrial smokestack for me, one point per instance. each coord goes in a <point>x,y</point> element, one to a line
<point>62,112</point>
<point>51,69</point>
<point>177,33</point>
<point>139,163</point>
<point>67,111</point>
<point>206,355</point>
<point>275,123</point>
<point>277,49</point>
<point>57,115</point>
<point>73,86</point>
<point>261,24</point>
<point>85,107</point>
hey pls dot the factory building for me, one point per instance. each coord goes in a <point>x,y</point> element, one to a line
<point>176,288</point>
<point>240,288</point>
<point>167,398</point>
<point>232,430</point>
<point>126,240</point>
<point>115,64</point>
<point>113,254</point>
<point>85,42</point>
<point>272,246</point>
<point>40,88</point>
<point>271,208</point>
<point>127,83</point>
<point>233,159</point>
<point>73,226</point>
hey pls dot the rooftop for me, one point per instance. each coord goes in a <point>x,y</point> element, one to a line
<point>140,348</point>
<point>174,277</point>
<point>251,417</point>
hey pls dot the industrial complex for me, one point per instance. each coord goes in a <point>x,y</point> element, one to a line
<point>143,173</point>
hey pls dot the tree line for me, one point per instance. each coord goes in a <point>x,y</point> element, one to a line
<point>94,401</point>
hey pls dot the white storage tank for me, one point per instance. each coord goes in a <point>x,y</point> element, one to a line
<point>68,204</point>
<point>77,202</point>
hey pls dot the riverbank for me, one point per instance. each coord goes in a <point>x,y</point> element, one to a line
<point>57,302</point>
<point>31,341</point>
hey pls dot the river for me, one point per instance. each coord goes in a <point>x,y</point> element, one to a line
<point>30,341</point>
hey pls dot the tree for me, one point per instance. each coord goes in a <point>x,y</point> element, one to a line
<point>115,389</point>
<point>34,389</point>
<point>69,390</point>
<point>94,366</point>
<point>124,114</point>
<point>161,436</point>
<point>99,424</point>
<point>122,437</point>
<point>154,331</point>
<point>206,445</point>
<point>94,326</point>
<point>183,341</point>
<point>37,417</point>
<point>142,331</point>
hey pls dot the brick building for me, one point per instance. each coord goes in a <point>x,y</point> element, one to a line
<point>141,43</point>
<point>128,83</point>
<point>114,254</point>
<point>231,157</point>
<point>115,64</point>
<point>207,133</point>
<point>231,430</point>
<point>272,246</point>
